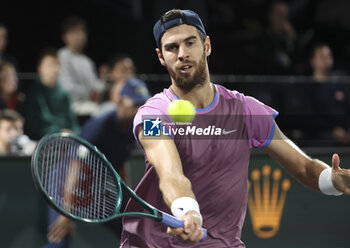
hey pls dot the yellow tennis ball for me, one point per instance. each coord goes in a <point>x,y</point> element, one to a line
<point>181,111</point>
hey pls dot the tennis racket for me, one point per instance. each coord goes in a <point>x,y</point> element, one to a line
<point>78,181</point>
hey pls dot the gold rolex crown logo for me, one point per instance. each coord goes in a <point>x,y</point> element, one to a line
<point>265,206</point>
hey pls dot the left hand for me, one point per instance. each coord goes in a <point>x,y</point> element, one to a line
<point>340,177</point>
<point>191,232</point>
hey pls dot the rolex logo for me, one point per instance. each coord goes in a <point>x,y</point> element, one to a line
<point>266,206</point>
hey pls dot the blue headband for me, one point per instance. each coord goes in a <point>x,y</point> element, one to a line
<point>189,17</point>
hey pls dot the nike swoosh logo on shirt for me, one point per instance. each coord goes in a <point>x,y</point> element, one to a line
<point>224,132</point>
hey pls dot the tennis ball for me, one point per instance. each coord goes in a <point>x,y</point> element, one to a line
<point>181,111</point>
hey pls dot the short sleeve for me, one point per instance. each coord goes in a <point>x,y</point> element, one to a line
<point>153,108</point>
<point>260,121</point>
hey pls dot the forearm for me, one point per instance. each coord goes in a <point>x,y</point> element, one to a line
<point>164,157</point>
<point>309,175</point>
<point>296,162</point>
<point>173,188</point>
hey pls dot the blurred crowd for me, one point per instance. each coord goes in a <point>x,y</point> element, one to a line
<point>265,38</point>
<point>69,95</point>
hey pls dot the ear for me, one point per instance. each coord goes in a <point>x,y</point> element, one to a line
<point>207,45</point>
<point>160,57</point>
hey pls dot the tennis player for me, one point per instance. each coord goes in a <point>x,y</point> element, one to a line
<point>205,181</point>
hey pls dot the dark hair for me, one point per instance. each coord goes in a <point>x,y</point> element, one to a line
<point>48,51</point>
<point>317,46</point>
<point>10,115</point>
<point>2,25</point>
<point>171,15</point>
<point>117,58</point>
<point>73,22</point>
<point>174,14</point>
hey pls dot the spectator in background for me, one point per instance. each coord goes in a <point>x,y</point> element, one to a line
<point>278,43</point>
<point>12,139</point>
<point>117,70</point>
<point>48,107</point>
<point>78,73</point>
<point>9,98</point>
<point>8,130</point>
<point>328,97</point>
<point>318,111</point>
<point>104,73</point>
<point>3,43</point>
<point>122,68</point>
<point>321,62</point>
<point>111,133</point>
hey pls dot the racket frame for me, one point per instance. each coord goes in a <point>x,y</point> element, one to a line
<point>153,214</point>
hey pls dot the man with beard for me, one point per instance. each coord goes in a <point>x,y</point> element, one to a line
<point>204,181</point>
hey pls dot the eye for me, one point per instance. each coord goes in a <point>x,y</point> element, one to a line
<point>190,43</point>
<point>172,48</point>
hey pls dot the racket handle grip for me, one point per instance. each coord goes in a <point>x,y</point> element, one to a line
<point>173,222</point>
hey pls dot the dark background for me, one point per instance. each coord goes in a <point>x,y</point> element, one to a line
<point>117,26</point>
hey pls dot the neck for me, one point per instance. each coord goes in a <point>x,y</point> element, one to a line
<point>320,76</point>
<point>74,49</point>
<point>48,83</point>
<point>200,97</point>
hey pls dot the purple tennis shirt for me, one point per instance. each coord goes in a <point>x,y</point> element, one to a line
<point>216,165</point>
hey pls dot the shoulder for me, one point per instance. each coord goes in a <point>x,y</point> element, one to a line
<point>105,117</point>
<point>63,52</point>
<point>155,107</point>
<point>100,123</point>
<point>135,82</point>
<point>86,59</point>
<point>159,102</point>
<point>58,89</point>
<point>250,104</point>
<point>232,95</point>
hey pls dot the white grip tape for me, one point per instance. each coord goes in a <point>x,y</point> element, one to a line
<point>182,205</point>
<point>325,183</point>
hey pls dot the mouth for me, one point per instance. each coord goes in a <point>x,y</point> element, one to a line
<point>185,69</point>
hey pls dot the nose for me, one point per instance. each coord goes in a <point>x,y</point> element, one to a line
<point>183,53</point>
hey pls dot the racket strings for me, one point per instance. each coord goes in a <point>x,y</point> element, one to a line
<point>77,179</point>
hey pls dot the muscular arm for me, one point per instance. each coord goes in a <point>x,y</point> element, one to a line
<point>163,155</point>
<point>295,161</point>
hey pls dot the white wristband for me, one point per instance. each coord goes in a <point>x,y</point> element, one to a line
<point>182,205</point>
<point>325,183</point>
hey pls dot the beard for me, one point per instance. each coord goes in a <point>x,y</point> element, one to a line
<point>188,82</point>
